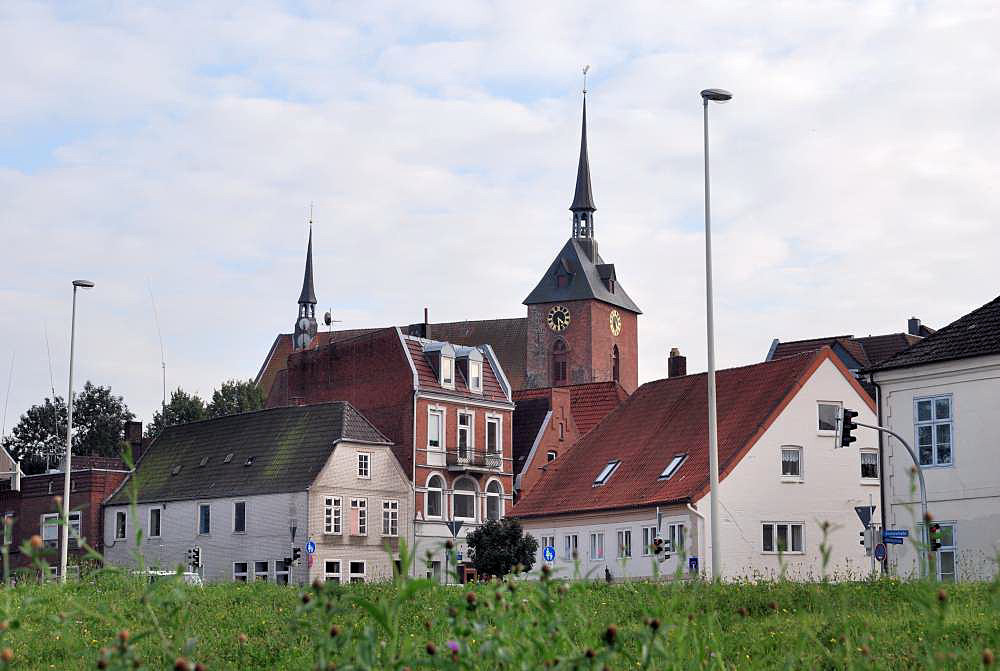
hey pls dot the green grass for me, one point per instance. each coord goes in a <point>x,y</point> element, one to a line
<point>886,625</point>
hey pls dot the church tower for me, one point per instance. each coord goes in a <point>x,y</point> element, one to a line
<point>305,323</point>
<point>582,326</point>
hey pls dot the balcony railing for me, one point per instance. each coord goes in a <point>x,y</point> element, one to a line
<point>467,459</point>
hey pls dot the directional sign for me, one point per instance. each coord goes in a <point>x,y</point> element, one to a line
<point>310,547</point>
<point>549,553</point>
<point>880,552</point>
<point>893,540</point>
<point>895,533</point>
<point>865,514</point>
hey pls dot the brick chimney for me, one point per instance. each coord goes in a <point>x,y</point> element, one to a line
<point>913,326</point>
<point>677,364</point>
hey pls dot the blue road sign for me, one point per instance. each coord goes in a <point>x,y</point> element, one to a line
<point>310,547</point>
<point>895,533</point>
<point>893,540</point>
<point>693,564</point>
<point>549,553</point>
<point>880,551</point>
<point>458,556</point>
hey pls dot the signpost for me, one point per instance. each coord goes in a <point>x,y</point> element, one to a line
<point>549,553</point>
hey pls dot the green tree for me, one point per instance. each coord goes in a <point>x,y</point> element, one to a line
<point>499,545</point>
<point>235,397</point>
<point>99,419</point>
<point>183,408</point>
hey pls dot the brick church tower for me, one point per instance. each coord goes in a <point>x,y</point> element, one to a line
<point>582,326</point>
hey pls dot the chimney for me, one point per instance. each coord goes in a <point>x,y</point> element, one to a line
<point>677,365</point>
<point>133,432</point>
<point>913,326</point>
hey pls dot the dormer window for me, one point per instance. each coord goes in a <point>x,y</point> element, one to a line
<point>441,357</point>
<point>607,472</point>
<point>672,467</point>
<point>447,371</point>
<point>476,375</point>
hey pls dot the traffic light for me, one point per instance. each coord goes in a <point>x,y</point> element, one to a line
<point>868,539</point>
<point>661,549</point>
<point>196,556</point>
<point>296,556</point>
<point>288,562</point>
<point>935,536</point>
<point>846,426</point>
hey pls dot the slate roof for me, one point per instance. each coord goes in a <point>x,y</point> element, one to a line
<point>868,351</point>
<point>584,280</point>
<point>660,420</point>
<point>529,413</point>
<point>975,334</point>
<point>507,337</point>
<point>308,294</point>
<point>583,198</point>
<point>289,447</point>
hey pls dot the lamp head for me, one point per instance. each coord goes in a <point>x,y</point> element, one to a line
<point>716,95</point>
<point>83,284</point>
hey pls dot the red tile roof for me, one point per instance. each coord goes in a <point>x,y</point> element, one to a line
<point>590,402</point>
<point>427,378</point>
<point>507,337</point>
<point>665,418</point>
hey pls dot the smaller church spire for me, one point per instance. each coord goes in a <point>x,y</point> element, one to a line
<point>583,198</point>
<point>305,323</point>
<point>308,294</point>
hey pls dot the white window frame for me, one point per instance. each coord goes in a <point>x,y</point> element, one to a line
<point>8,527</point>
<point>781,463</point>
<point>497,421</point>
<point>333,516</point>
<point>441,415</point>
<point>360,504</point>
<point>675,463</point>
<point>649,535</point>
<point>440,492</point>
<point>546,541</point>
<point>365,465</point>
<point>596,546</point>
<point>571,542</point>
<point>774,537</point>
<point>390,517</point>
<point>352,574</point>
<point>123,517</point>
<point>241,576</point>
<point>606,472</point>
<point>934,423</point>
<point>499,498</point>
<point>245,516</point>
<point>828,432</point>
<point>197,521</point>
<point>676,531</point>
<point>149,522</point>
<point>624,543</point>
<point>447,362</point>
<point>333,576</point>
<point>470,433</point>
<point>551,455</point>
<point>264,576</point>
<point>861,463</point>
<point>953,549</point>
<point>282,573</point>
<point>473,387</point>
<point>50,524</point>
<point>475,499</point>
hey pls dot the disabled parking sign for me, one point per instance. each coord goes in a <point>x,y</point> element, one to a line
<point>549,553</point>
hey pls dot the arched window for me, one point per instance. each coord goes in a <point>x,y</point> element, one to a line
<point>559,362</point>
<point>615,368</point>
<point>465,499</point>
<point>494,501</point>
<point>433,496</point>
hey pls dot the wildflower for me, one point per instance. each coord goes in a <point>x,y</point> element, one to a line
<point>431,649</point>
<point>563,589</point>
<point>427,625</point>
<point>36,542</point>
<point>453,646</point>
<point>181,665</point>
<point>654,624</point>
<point>742,610</point>
<point>610,634</point>
<point>773,606</point>
<point>242,638</point>
<point>449,545</point>
<point>199,667</point>
<point>988,658</point>
<point>123,635</point>
<point>334,631</point>
<point>865,650</point>
<point>942,596</point>
<point>7,655</point>
<point>452,612</point>
<point>4,625</point>
<point>318,584</point>
<point>589,653</point>
<point>306,598</point>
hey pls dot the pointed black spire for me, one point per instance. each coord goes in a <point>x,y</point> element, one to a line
<point>308,294</point>
<point>583,199</point>
<point>305,323</point>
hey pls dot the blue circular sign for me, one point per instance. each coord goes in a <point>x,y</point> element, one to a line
<point>310,547</point>
<point>549,553</point>
<point>880,552</point>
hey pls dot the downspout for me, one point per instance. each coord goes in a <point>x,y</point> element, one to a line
<point>701,525</point>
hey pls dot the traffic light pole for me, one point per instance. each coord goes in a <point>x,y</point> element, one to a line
<point>924,535</point>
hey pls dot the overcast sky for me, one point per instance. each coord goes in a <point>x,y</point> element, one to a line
<point>177,150</point>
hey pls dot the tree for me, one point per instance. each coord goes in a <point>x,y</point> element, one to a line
<point>499,545</point>
<point>183,408</point>
<point>99,419</point>
<point>235,397</point>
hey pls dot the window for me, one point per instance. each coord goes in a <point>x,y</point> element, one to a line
<point>357,571</point>
<point>51,527</point>
<point>239,571</point>
<point>332,515</point>
<point>155,518</point>
<point>475,375</point>
<point>606,473</point>
<point>447,371</point>
<point>121,525</point>
<point>494,501</point>
<point>672,467</point>
<point>280,572</point>
<point>624,543</point>
<point>239,517</point>
<point>572,545</point>
<point>675,537</point>
<point>791,462</point>
<point>782,537</point>
<point>559,362</point>
<point>934,425</point>
<point>545,542</point>
<point>359,517</point>
<point>229,457</point>
<point>465,500</point>
<point>260,571</point>
<point>331,571</point>
<point>648,536</point>
<point>435,422</point>
<point>8,527</point>
<point>464,434</point>
<point>493,435</point>
<point>204,519</point>
<point>364,465</point>
<point>551,455</point>
<point>433,496</point>
<point>829,415</point>
<point>390,518</point>
<point>946,568</point>
<point>596,545</point>
<point>562,430</point>
<point>615,367</point>
<point>869,464</point>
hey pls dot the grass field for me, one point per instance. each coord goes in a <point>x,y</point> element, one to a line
<point>886,625</point>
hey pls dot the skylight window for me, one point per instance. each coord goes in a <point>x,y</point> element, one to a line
<point>177,469</point>
<point>672,467</point>
<point>204,460</point>
<point>606,472</point>
<point>229,457</point>
<point>250,461</point>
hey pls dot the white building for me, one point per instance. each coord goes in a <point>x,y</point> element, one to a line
<point>942,394</point>
<point>643,472</point>
<point>250,489</point>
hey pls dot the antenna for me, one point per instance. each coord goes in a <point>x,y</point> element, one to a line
<point>310,213</point>
<point>163,355</point>
<point>586,69</point>
<point>10,379</point>
<point>52,386</point>
<point>329,321</point>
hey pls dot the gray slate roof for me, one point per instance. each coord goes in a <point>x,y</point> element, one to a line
<point>975,334</point>
<point>308,294</point>
<point>583,197</point>
<point>289,447</point>
<point>585,280</point>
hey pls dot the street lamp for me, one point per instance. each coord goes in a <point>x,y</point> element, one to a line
<point>64,553</point>
<point>719,96</point>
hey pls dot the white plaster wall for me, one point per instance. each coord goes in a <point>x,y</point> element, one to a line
<point>966,493</point>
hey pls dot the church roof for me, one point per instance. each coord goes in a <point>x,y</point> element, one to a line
<point>585,280</point>
<point>583,198</point>
<point>308,294</point>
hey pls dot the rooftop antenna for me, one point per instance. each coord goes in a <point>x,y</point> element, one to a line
<point>163,355</point>
<point>52,386</point>
<point>10,379</point>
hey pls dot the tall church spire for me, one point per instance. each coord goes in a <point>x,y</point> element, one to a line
<point>305,323</point>
<point>583,199</point>
<point>308,294</point>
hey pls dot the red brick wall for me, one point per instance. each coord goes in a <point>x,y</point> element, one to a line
<point>552,439</point>
<point>602,342</point>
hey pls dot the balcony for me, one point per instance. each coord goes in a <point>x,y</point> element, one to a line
<point>467,459</point>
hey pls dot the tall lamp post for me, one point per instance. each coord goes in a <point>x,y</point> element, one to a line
<point>64,535</point>
<point>719,96</point>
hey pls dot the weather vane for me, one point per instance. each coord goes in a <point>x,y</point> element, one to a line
<point>586,68</point>
<point>310,213</point>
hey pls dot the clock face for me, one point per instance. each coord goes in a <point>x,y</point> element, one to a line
<point>615,322</point>
<point>558,318</point>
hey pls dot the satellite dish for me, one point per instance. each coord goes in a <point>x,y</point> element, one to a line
<point>328,318</point>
